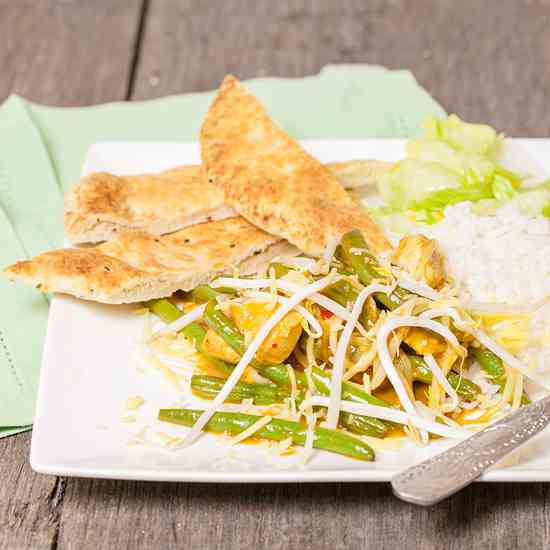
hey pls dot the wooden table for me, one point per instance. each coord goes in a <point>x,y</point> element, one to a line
<point>485,60</point>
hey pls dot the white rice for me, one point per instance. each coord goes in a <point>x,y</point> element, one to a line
<point>501,260</point>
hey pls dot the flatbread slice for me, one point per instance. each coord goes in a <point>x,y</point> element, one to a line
<point>272,181</point>
<point>137,266</point>
<point>353,174</point>
<point>101,206</point>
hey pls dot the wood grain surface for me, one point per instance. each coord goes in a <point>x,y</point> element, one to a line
<point>486,61</point>
<point>68,52</point>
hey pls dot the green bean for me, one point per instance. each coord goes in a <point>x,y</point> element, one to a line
<point>207,387</point>
<point>169,313</point>
<point>220,323</point>
<point>350,391</point>
<point>280,269</point>
<point>164,309</point>
<point>493,367</point>
<point>355,253</point>
<point>203,293</point>
<point>344,293</point>
<point>277,430</point>
<point>341,270</point>
<point>420,370</point>
<point>365,425</point>
<point>278,373</point>
<point>464,387</point>
<point>225,327</point>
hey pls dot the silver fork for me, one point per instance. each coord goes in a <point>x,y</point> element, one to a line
<point>446,473</point>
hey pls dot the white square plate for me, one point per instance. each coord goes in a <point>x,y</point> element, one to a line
<point>90,368</point>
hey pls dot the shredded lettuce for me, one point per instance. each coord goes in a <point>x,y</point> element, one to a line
<point>502,188</point>
<point>454,161</point>
<point>532,202</point>
<point>412,180</point>
<point>463,136</point>
<point>438,200</point>
<point>471,167</point>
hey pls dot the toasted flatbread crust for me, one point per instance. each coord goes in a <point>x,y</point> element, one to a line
<point>352,174</point>
<point>137,266</point>
<point>271,181</point>
<point>101,206</point>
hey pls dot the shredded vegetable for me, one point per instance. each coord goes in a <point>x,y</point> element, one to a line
<point>383,347</point>
<point>454,161</point>
<point>251,350</point>
<point>338,365</point>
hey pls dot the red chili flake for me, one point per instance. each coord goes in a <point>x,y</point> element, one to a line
<point>326,314</point>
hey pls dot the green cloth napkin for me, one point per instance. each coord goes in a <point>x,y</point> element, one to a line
<point>42,150</point>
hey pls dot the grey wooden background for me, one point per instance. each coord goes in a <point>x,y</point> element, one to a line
<point>486,60</point>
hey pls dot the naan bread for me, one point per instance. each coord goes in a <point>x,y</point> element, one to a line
<point>358,173</point>
<point>137,266</point>
<point>270,180</point>
<point>101,206</point>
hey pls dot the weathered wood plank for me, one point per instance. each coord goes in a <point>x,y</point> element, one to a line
<point>104,515</point>
<point>29,503</point>
<point>483,61</point>
<point>67,52</point>
<point>190,45</point>
<point>70,52</point>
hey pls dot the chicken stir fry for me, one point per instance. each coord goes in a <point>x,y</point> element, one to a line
<point>343,349</point>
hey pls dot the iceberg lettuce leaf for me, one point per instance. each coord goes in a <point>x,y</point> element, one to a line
<point>503,188</point>
<point>463,136</point>
<point>474,167</point>
<point>438,200</point>
<point>411,180</point>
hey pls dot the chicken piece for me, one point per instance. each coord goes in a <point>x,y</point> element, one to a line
<point>281,341</point>
<point>216,346</point>
<point>424,342</point>
<point>249,318</point>
<point>422,258</point>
